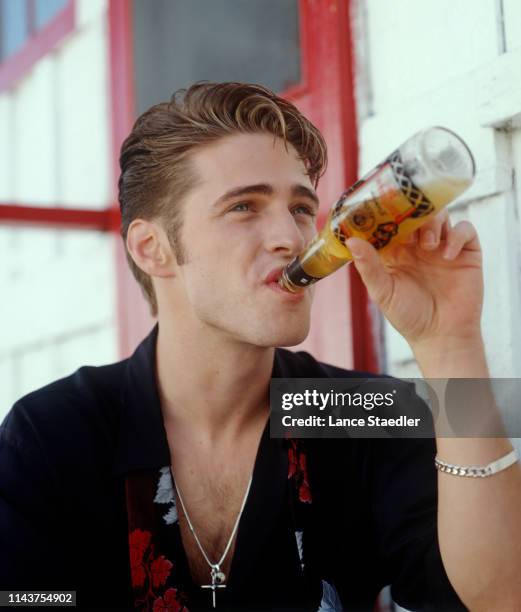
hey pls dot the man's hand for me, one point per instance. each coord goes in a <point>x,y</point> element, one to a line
<point>430,288</point>
<point>432,292</point>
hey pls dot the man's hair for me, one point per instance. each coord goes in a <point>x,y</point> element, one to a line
<point>156,173</point>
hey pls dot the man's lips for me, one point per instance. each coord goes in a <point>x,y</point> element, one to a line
<point>272,281</point>
<point>274,275</point>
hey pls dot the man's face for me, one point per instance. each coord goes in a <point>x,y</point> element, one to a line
<point>252,212</point>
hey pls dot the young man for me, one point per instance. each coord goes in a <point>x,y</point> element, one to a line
<point>153,482</point>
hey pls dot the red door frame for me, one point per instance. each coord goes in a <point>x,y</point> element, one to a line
<point>326,37</point>
<point>328,57</point>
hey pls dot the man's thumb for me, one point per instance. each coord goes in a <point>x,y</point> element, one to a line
<point>371,269</point>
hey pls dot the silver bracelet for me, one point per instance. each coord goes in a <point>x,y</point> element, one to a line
<point>476,471</point>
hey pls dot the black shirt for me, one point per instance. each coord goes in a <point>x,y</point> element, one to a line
<point>69,451</point>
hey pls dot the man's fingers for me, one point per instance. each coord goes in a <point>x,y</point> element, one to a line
<point>410,239</point>
<point>462,236</point>
<point>434,230</point>
<point>431,233</point>
<point>370,267</point>
<point>445,228</point>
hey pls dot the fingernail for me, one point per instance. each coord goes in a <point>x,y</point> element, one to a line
<point>448,254</point>
<point>429,239</point>
<point>353,246</point>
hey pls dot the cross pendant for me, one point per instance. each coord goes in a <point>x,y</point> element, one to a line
<point>217,579</point>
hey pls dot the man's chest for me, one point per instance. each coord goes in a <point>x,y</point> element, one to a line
<point>209,509</point>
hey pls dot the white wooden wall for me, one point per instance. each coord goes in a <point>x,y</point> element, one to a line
<point>58,306</point>
<point>455,64</point>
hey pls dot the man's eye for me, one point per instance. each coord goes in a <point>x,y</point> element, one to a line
<point>304,209</point>
<point>241,207</point>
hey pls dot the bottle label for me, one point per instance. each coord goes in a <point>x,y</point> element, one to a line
<point>298,276</point>
<point>379,203</point>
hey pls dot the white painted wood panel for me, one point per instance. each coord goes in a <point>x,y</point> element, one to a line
<point>471,106</point>
<point>59,309</point>
<point>84,111</point>
<point>56,286</point>
<point>7,389</point>
<point>457,64</point>
<point>88,11</point>
<point>33,366</point>
<point>512,25</point>
<point>6,157</point>
<point>515,229</point>
<point>417,47</point>
<point>33,140</point>
<point>490,218</point>
<point>95,346</point>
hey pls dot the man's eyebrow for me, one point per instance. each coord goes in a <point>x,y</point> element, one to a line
<point>297,190</point>
<point>301,191</point>
<point>262,188</point>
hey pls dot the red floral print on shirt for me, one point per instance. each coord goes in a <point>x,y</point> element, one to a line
<point>138,543</point>
<point>297,469</point>
<point>149,573</point>
<point>168,603</point>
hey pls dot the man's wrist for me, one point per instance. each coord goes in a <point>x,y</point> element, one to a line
<point>452,357</point>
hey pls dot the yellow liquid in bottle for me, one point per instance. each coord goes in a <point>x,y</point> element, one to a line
<point>378,212</point>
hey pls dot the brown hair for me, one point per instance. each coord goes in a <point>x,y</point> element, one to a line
<point>155,158</point>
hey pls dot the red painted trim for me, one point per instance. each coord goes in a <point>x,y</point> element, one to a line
<point>71,218</point>
<point>294,92</point>
<point>38,45</point>
<point>366,354</point>
<point>123,114</point>
<point>122,76</point>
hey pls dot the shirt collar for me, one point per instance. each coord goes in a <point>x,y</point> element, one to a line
<point>142,442</point>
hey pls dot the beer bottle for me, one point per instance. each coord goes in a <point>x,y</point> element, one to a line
<point>416,181</point>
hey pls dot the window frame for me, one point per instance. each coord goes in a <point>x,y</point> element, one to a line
<point>15,67</point>
<point>336,18</point>
<point>38,44</point>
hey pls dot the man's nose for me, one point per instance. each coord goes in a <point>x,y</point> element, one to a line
<point>283,235</point>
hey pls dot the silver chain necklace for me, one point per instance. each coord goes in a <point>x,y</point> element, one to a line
<point>217,575</point>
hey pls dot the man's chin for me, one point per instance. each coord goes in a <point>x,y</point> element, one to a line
<point>288,337</point>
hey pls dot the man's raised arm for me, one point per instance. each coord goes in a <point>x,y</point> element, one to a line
<point>431,291</point>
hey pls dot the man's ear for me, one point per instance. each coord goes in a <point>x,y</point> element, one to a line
<point>150,248</point>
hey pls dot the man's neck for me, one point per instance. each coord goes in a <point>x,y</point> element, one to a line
<point>213,386</point>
